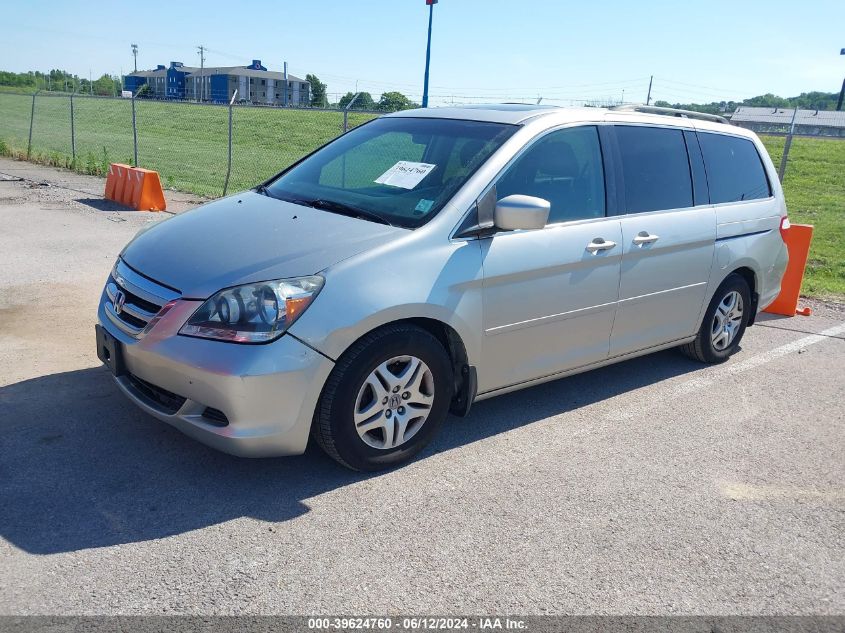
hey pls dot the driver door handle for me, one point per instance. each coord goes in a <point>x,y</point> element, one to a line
<point>599,244</point>
<point>644,237</point>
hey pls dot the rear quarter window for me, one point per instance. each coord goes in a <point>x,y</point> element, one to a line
<point>734,169</point>
<point>655,167</point>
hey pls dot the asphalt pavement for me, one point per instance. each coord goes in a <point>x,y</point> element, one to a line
<point>656,486</point>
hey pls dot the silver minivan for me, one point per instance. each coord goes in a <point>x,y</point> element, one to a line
<point>432,258</point>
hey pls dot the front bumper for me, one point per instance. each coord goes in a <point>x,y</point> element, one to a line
<point>247,400</point>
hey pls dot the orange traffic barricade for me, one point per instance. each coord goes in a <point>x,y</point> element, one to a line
<point>147,194</point>
<point>797,238</point>
<point>135,187</point>
<point>115,181</point>
<point>129,185</point>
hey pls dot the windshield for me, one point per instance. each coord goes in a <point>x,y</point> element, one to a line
<point>398,170</point>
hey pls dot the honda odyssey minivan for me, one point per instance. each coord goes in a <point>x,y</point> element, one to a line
<point>432,258</point>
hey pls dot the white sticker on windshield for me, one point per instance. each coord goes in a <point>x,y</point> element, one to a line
<point>424,206</point>
<point>405,174</point>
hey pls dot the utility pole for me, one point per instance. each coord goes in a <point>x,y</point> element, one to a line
<point>201,50</point>
<point>430,4</point>
<point>135,55</point>
<point>285,93</point>
<point>841,92</point>
<point>90,84</point>
<point>648,98</point>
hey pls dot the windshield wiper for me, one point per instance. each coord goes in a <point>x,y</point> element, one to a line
<point>264,190</point>
<point>344,209</point>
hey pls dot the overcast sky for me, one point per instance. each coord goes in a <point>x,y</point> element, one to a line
<point>482,50</point>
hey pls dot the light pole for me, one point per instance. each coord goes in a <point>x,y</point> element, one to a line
<point>841,92</point>
<point>430,4</point>
<point>201,51</point>
<point>135,55</point>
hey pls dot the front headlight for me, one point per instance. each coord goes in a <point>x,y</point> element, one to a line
<point>253,313</point>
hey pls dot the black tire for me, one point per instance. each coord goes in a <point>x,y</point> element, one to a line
<point>334,424</point>
<point>702,348</point>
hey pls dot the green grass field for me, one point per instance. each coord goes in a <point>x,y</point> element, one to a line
<point>814,184</point>
<point>187,144</point>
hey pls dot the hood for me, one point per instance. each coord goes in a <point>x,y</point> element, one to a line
<point>247,238</point>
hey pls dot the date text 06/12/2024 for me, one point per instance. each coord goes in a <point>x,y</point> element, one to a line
<point>416,623</point>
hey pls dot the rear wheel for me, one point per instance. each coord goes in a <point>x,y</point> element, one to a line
<point>724,322</point>
<point>385,398</point>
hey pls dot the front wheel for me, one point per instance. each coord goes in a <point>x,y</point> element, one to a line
<point>385,398</point>
<point>724,322</point>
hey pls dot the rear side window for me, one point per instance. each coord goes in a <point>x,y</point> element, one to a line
<point>655,168</point>
<point>734,169</point>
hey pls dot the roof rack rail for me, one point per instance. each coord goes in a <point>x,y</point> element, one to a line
<point>686,114</point>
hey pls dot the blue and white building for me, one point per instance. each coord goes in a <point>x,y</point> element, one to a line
<point>254,84</point>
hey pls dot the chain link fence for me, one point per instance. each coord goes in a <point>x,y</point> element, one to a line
<point>206,149</point>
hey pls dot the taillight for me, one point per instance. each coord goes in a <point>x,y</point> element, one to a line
<point>784,227</point>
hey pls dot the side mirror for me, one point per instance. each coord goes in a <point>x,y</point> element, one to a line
<point>522,212</point>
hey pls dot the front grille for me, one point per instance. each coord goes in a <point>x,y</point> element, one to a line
<point>128,307</point>
<point>155,396</point>
<point>131,300</point>
<point>139,302</point>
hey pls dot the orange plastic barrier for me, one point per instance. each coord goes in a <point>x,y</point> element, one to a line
<point>129,184</point>
<point>797,238</point>
<point>115,181</point>
<point>147,194</point>
<point>135,187</point>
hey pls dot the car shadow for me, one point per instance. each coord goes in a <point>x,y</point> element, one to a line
<point>82,467</point>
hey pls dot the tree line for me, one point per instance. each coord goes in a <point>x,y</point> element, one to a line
<point>388,102</point>
<point>805,101</point>
<point>61,81</point>
<point>110,85</point>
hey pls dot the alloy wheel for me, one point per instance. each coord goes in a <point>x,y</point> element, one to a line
<point>726,321</point>
<point>394,401</point>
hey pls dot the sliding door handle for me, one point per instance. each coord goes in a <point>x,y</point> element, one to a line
<point>644,237</point>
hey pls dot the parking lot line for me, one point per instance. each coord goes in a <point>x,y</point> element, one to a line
<point>699,382</point>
